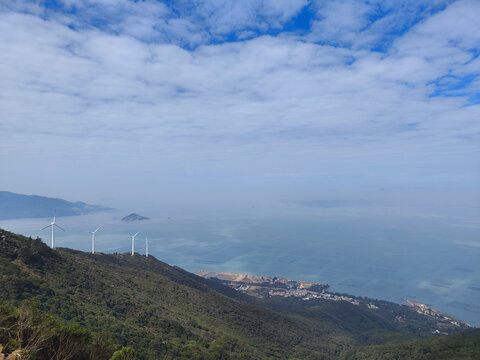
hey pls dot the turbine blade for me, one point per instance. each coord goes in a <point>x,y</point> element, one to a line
<point>97,229</point>
<point>46,227</point>
<point>59,227</point>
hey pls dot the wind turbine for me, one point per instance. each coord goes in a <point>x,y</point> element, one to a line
<point>93,239</point>
<point>146,246</point>
<point>133,243</point>
<point>53,224</point>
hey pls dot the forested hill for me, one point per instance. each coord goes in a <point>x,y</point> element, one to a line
<point>88,306</point>
<point>19,206</point>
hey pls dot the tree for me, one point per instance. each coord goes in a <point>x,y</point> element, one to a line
<point>126,353</point>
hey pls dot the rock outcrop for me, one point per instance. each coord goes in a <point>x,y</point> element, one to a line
<point>16,355</point>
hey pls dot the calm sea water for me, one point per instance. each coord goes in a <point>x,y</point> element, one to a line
<point>431,260</point>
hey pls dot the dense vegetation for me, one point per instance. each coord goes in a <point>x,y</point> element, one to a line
<point>121,307</point>
<point>42,336</point>
<point>464,346</point>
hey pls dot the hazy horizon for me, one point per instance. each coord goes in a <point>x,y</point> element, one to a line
<point>217,105</point>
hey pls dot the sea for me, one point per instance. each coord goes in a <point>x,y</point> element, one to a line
<point>430,259</point>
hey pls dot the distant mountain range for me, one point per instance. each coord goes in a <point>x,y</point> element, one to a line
<point>19,206</point>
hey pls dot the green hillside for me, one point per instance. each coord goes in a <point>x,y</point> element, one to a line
<point>101,303</point>
<point>464,346</point>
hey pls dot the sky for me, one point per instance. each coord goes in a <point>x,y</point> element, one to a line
<point>221,104</point>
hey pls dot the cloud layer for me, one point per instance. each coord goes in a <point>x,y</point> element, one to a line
<point>344,95</point>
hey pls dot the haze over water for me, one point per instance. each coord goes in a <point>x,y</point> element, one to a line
<point>432,260</point>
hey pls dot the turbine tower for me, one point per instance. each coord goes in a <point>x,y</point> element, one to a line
<point>53,224</point>
<point>93,239</point>
<point>146,246</point>
<point>133,243</point>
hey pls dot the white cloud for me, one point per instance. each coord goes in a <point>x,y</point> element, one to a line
<point>340,21</point>
<point>222,17</point>
<point>368,24</point>
<point>277,105</point>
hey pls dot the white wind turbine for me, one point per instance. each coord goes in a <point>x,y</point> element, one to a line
<point>133,243</point>
<point>53,224</point>
<point>146,246</point>
<point>93,239</point>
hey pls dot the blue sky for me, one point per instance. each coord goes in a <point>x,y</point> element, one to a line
<point>231,103</point>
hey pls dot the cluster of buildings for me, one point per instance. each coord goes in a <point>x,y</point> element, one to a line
<point>309,295</point>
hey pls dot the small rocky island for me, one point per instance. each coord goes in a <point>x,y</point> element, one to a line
<point>134,217</point>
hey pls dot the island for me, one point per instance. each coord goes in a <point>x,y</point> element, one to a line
<point>134,217</point>
<point>20,206</point>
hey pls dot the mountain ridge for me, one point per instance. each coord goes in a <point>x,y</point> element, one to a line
<point>20,206</point>
<point>165,312</point>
